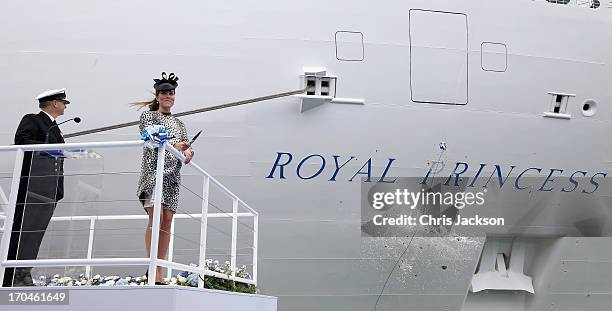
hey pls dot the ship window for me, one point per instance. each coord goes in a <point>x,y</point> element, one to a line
<point>493,56</point>
<point>349,46</point>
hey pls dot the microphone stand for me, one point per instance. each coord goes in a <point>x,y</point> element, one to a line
<point>76,119</point>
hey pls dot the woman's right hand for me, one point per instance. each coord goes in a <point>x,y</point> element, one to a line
<point>188,155</point>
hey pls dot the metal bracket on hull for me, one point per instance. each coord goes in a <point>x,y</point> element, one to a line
<point>312,101</point>
<point>320,88</point>
<point>493,273</point>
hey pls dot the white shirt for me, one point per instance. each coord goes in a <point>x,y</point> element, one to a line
<point>50,116</point>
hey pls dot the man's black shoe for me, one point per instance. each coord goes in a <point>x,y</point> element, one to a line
<point>22,277</point>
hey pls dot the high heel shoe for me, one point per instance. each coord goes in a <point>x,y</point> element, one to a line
<point>156,282</point>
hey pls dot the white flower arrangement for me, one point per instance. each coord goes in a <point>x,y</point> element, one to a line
<point>183,278</point>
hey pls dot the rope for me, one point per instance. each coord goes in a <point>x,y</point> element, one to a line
<point>186,113</point>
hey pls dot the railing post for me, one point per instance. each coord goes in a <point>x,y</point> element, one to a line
<point>10,211</point>
<point>157,208</point>
<point>255,241</point>
<point>92,228</point>
<point>204,226</point>
<point>171,248</point>
<point>234,235</point>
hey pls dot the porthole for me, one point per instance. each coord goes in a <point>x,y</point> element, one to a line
<point>589,108</point>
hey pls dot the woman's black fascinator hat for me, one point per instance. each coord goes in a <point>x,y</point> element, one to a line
<point>166,83</point>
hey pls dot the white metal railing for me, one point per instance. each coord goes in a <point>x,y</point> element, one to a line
<point>152,261</point>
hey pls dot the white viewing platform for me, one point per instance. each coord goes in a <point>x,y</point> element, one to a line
<point>141,297</point>
<point>166,298</point>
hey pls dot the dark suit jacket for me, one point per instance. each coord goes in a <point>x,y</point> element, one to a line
<point>41,173</point>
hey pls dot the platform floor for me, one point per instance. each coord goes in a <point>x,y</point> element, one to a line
<point>98,298</point>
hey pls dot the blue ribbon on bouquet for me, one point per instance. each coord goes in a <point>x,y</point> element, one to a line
<point>155,136</point>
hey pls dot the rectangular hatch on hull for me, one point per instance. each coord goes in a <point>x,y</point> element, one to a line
<point>438,57</point>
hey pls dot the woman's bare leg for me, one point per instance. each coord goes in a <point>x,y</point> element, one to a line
<point>149,211</point>
<point>164,237</point>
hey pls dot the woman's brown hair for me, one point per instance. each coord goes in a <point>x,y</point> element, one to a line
<point>153,103</point>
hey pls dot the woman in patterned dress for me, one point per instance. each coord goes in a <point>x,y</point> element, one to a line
<point>160,113</point>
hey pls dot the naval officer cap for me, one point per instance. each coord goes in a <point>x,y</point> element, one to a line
<point>59,94</point>
<point>166,83</point>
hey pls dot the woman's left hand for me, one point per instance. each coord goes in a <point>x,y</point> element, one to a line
<point>188,155</point>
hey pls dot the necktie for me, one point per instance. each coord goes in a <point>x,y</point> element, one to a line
<point>53,129</point>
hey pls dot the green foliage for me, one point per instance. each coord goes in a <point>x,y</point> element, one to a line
<point>228,285</point>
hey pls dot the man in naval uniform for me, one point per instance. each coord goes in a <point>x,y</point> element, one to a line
<point>40,187</point>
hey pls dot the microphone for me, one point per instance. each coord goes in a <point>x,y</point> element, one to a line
<point>75,119</point>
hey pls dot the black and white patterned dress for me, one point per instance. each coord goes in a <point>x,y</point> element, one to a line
<point>172,165</point>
